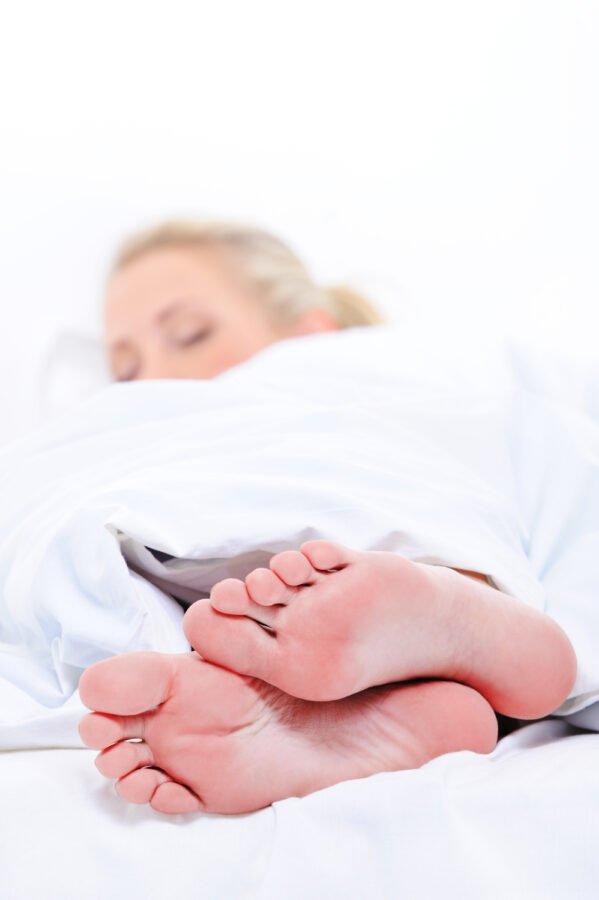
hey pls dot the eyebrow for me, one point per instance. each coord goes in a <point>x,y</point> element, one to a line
<point>162,317</point>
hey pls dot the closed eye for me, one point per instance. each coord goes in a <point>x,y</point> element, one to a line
<point>124,368</point>
<point>130,376</point>
<point>195,337</point>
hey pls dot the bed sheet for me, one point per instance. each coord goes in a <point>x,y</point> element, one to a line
<point>519,824</point>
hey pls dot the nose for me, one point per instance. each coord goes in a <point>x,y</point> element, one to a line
<point>156,365</point>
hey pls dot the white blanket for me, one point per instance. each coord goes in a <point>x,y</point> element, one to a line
<point>359,436</point>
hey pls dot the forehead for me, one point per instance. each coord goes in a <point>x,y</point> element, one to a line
<point>163,275</point>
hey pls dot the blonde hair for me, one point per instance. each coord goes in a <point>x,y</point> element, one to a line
<point>269,266</point>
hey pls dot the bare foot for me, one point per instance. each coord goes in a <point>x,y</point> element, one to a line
<point>325,622</point>
<point>216,741</point>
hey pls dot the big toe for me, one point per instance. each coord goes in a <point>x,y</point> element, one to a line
<point>128,684</point>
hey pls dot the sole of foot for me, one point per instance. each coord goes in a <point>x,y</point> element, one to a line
<point>324,622</point>
<point>184,735</point>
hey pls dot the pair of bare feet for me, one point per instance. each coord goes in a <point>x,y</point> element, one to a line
<point>332,664</point>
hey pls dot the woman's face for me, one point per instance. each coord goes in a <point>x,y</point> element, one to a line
<point>176,313</point>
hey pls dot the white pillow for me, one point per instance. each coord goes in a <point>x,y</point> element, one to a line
<point>73,367</point>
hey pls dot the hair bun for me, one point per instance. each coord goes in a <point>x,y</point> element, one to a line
<point>350,308</point>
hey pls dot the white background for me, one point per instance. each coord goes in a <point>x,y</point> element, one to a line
<point>442,155</point>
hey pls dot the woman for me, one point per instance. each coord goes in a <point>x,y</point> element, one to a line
<point>190,301</point>
<point>311,671</point>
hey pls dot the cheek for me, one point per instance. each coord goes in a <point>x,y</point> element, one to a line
<point>248,337</point>
<point>234,346</point>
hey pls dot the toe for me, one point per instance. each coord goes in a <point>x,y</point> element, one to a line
<point>265,588</point>
<point>233,642</point>
<point>127,684</point>
<point>99,731</point>
<point>325,555</point>
<point>139,786</point>
<point>234,600</point>
<point>230,596</point>
<point>293,568</point>
<point>154,786</point>
<point>174,799</point>
<point>125,757</point>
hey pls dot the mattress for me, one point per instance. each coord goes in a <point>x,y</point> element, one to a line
<point>520,823</point>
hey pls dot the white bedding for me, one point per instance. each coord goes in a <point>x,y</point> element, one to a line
<point>344,436</point>
<point>519,824</point>
<point>341,436</point>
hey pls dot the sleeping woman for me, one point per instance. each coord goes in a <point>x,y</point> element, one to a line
<point>332,663</point>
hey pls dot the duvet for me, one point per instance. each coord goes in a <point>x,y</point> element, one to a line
<point>359,436</point>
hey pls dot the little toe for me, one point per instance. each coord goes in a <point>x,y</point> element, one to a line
<point>230,596</point>
<point>293,568</point>
<point>128,684</point>
<point>233,642</point>
<point>174,799</point>
<point>326,555</point>
<point>266,589</point>
<point>139,786</point>
<point>99,731</point>
<point>125,757</point>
